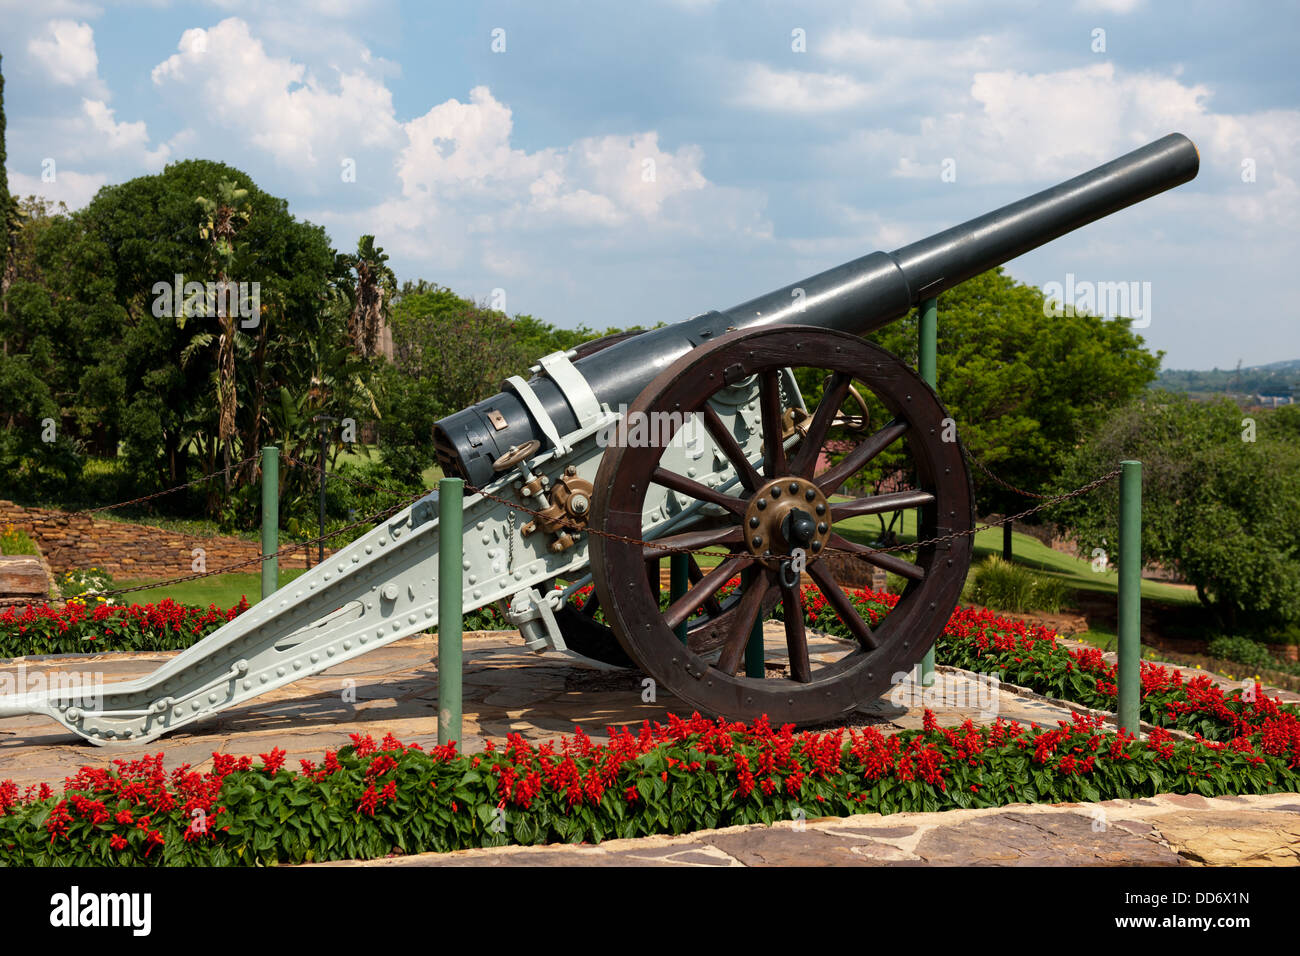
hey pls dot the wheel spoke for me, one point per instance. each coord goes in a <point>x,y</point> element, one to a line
<point>796,638</point>
<point>696,574</point>
<point>880,559</point>
<point>774,462</point>
<point>840,601</point>
<point>691,540</point>
<point>676,482</point>
<point>751,602</point>
<point>810,446</point>
<point>681,609</point>
<point>880,504</point>
<point>731,448</point>
<point>830,480</point>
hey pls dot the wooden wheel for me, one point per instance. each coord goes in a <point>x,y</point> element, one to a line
<point>784,503</point>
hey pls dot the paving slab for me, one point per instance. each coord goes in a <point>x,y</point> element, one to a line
<point>1161,831</point>
<point>394,689</point>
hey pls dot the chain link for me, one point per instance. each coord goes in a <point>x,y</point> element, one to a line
<point>1005,484</point>
<point>1048,501</point>
<point>371,519</point>
<point>135,501</point>
<point>334,476</point>
<point>515,507</point>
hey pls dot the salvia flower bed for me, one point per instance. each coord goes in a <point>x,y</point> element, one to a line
<point>94,627</point>
<point>370,800</point>
<point>975,639</point>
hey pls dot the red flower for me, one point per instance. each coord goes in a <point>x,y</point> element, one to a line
<point>273,761</point>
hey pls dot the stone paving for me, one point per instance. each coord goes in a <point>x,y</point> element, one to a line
<point>394,689</point>
<point>508,689</point>
<point>1166,830</point>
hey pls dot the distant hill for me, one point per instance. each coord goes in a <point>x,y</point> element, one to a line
<point>1275,377</point>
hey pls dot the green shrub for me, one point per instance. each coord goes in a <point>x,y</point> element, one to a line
<point>1242,650</point>
<point>1004,586</point>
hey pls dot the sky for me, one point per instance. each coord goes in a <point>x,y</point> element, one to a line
<point>611,164</point>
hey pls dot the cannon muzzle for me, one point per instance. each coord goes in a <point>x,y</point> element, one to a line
<point>856,297</point>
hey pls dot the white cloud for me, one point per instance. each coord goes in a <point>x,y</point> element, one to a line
<point>1045,127</point>
<point>75,189</point>
<point>66,51</point>
<point>280,105</point>
<point>762,88</point>
<point>131,137</point>
<point>1107,6</point>
<point>469,200</point>
<point>462,151</point>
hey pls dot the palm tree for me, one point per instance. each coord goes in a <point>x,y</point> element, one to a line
<point>369,295</point>
<point>222,217</point>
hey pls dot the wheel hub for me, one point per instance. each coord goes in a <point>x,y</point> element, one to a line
<point>786,514</point>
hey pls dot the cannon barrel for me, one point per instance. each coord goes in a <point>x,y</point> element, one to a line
<point>857,297</point>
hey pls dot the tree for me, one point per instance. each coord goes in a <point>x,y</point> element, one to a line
<point>1023,388</point>
<point>124,356</point>
<point>1220,504</point>
<point>5,201</point>
<point>222,218</point>
<point>370,283</point>
<point>449,353</point>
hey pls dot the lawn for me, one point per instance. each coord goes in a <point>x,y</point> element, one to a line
<point>223,590</point>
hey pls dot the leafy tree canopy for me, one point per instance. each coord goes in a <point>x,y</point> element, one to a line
<point>1220,502</point>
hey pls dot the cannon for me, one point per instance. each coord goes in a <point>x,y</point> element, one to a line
<point>694,443</point>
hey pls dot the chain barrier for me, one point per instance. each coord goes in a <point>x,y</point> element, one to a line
<point>1005,484</point>
<point>371,519</point>
<point>334,476</point>
<point>1046,501</point>
<point>233,466</point>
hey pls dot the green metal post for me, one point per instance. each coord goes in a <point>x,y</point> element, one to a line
<point>926,361</point>
<point>754,655</point>
<point>1130,595</point>
<point>270,520</point>
<point>679,579</point>
<point>451,491</point>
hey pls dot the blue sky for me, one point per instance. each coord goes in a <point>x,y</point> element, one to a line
<point>625,163</point>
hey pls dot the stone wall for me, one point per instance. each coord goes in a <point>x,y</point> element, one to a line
<point>129,551</point>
